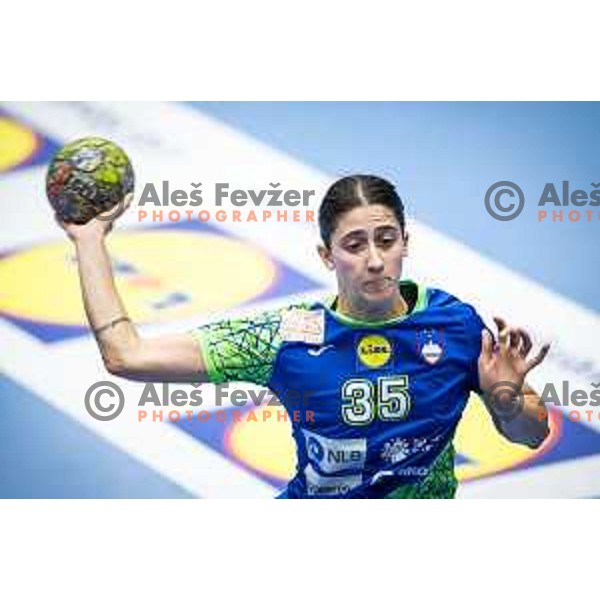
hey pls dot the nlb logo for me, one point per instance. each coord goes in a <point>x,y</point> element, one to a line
<point>374,351</point>
<point>336,456</point>
<point>330,455</point>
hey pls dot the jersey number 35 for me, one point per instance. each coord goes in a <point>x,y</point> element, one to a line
<point>362,403</point>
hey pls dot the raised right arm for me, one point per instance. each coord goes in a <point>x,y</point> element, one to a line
<point>126,354</point>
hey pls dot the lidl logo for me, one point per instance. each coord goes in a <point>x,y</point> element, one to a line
<point>374,351</point>
<point>163,274</point>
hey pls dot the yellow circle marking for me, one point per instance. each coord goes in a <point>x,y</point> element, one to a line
<point>161,275</point>
<point>267,445</point>
<point>489,452</point>
<point>17,144</point>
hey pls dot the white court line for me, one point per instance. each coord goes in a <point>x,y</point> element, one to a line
<point>164,448</point>
<point>579,478</point>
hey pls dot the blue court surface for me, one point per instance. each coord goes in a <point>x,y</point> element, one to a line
<point>541,271</point>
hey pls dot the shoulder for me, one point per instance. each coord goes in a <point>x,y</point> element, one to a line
<point>465,322</point>
<point>422,298</point>
<point>438,298</point>
<point>462,312</point>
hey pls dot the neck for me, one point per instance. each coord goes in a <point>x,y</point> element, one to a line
<point>396,308</point>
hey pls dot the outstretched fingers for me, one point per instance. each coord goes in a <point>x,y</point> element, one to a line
<point>503,335</point>
<point>526,344</point>
<point>487,345</point>
<point>538,358</point>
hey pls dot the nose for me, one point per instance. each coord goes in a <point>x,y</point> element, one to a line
<point>374,260</point>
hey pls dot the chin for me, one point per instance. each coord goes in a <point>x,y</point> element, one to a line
<point>378,302</point>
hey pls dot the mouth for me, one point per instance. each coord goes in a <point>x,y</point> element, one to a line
<point>379,284</point>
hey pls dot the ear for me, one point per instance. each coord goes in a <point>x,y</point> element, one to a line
<point>325,255</point>
<point>405,245</point>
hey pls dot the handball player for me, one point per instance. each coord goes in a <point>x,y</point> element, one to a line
<point>387,364</point>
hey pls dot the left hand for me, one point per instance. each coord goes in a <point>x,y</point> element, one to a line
<point>507,362</point>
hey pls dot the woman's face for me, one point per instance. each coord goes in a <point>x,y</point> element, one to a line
<point>367,250</point>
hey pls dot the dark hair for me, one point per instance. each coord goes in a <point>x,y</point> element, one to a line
<point>356,190</point>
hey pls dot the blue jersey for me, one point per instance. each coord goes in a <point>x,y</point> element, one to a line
<point>373,406</point>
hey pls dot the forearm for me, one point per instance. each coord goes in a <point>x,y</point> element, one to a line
<point>101,300</point>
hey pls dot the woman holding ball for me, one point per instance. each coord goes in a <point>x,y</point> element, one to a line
<point>390,363</point>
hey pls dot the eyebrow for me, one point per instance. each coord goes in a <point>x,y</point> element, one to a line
<point>380,229</point>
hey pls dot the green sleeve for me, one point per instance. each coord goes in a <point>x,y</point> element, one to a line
<point>242,349</point>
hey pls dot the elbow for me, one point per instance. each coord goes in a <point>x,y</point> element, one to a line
<point>125,366</point>
<point>116,366</point>
<point>535,442</point>
<point>121,360</point>
<point>532,440</point>
<point>530,433</point>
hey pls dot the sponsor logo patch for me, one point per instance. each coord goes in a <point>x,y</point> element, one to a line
<point>300,325</point>
<point>374,351</point>
<point>332,455</point>
<point>321,485</point>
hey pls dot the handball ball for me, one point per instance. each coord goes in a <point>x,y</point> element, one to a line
<point>87,177</point>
